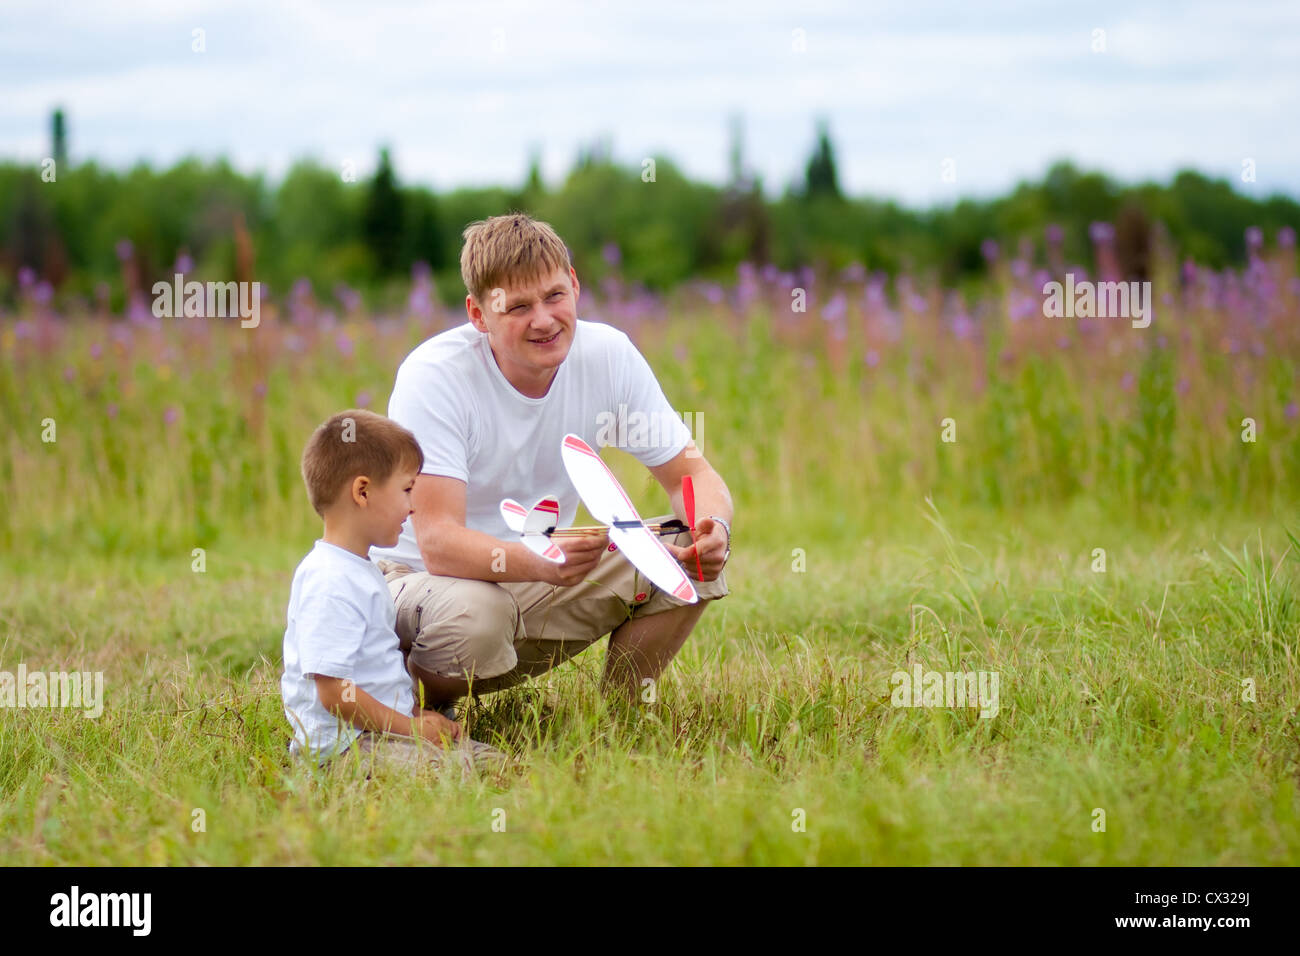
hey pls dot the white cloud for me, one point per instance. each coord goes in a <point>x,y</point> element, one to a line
<point>1007,85</point>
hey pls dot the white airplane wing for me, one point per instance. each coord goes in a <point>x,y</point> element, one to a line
<point>544,515</point>
<point>644,549</point>
<point>514,514</point>
<point>600,490</point>
<point>525,522</point>
<point>608,502</point>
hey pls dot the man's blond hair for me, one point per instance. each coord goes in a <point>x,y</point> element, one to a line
<point>509,250</point>
<point>352,443</point>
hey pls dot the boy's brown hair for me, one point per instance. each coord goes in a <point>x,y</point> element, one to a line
<point>514,248</point>
<point>351,443</point>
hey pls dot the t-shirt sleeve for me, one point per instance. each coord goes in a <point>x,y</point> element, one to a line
<point>432,403</point>
<point>330,631</point>
<point>636,386</point>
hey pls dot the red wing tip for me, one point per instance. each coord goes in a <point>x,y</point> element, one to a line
<point>577,444</point>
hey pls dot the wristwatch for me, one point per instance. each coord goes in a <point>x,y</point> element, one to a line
<point>723,521</point>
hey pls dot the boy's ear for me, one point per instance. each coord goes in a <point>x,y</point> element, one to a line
<point>360,487</point>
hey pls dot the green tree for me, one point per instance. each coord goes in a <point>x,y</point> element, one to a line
<point>821,176</point>
<point>382,223</point>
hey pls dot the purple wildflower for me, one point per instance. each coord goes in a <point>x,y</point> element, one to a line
<point>363,398</point>
<point>989,250</point>
<point>854,272</point>
<point>1254,238</point>
<point>350,298</point>
<point>836,308</point>
<point>170,414</point>
<point>1286,238</point>
<point>611,254</point>
<point>124,249</point>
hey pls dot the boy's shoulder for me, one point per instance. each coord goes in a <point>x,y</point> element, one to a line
<point>328,570</point>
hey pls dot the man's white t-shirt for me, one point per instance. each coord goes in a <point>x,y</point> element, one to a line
<point>474,425</point>
<point>341,620</point>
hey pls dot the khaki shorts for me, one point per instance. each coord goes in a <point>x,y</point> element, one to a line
<point>500,634</point>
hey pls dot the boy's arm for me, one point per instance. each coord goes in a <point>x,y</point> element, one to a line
<point>342,698</point>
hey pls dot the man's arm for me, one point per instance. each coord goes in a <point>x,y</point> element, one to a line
<point>448,547</point>
<point>711,498</point>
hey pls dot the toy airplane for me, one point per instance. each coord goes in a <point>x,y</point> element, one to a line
<point>608,502</point>
<point>537,524</point>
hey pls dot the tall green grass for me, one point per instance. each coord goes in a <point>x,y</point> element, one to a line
<point>864,544</point>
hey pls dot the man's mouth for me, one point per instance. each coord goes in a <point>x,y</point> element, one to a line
<point>546,341</point>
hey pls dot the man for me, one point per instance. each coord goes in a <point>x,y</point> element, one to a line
<point>490,402</point>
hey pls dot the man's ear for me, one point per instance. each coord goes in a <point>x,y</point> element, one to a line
<point>472,307</point>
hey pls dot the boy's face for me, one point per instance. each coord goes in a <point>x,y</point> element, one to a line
<point>530,327</point>
<point>389,506</point>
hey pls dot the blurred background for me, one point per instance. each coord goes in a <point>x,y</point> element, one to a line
<point>910,174</point>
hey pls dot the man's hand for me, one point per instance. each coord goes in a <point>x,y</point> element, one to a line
<point>581,553</point>
<point>431,725</point>
<point>710,544</point>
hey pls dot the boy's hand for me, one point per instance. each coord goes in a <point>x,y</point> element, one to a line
<point>431,725</point>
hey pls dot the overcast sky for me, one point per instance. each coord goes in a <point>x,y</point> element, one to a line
<point>463,91</point>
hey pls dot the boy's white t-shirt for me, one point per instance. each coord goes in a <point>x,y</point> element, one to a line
<point>340,624</point>
<point>474,425</point>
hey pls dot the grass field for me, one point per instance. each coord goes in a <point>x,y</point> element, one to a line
<point>1162,690</point>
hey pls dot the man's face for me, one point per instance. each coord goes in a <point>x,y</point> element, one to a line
<point>530,326</point>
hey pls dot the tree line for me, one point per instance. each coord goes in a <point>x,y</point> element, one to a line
<point>646,224</point>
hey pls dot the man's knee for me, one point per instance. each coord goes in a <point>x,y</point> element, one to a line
<point>458,627</point>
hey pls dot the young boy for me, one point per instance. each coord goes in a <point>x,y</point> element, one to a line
<point>345,681</point>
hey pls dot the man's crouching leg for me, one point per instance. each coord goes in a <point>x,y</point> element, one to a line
<point>642,646</point>
<point>457,634</point>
